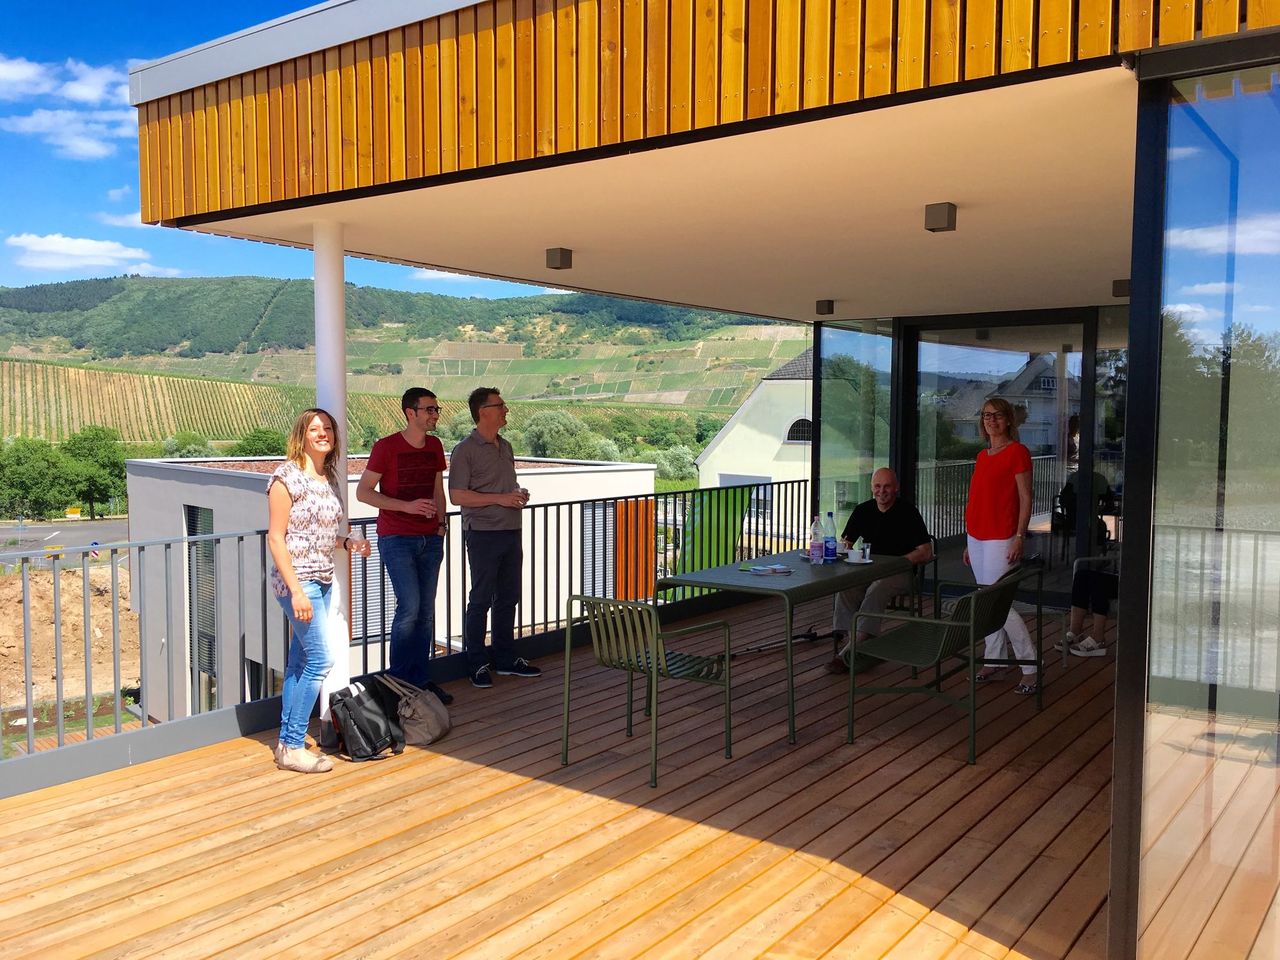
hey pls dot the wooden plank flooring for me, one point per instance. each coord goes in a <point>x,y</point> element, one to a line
<point>486,847</point>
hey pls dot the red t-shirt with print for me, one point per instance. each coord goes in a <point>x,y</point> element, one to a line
<point>992,511</point>
<point>407,473</point>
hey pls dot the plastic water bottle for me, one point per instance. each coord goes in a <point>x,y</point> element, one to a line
<point>816,541</point>
<point>829,539</point>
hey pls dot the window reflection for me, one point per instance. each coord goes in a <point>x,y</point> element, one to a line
<point>1211,740</point>
<point>854,431</point>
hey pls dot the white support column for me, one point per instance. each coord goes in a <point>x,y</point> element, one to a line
<point>331,395</point>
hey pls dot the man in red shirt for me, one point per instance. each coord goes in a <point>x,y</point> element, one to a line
<point>404,479</point>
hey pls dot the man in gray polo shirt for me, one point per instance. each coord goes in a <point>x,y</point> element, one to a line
<point>482,481</point>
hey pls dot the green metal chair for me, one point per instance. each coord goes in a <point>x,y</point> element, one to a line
<point>923,642</point>
<point>626,635</point>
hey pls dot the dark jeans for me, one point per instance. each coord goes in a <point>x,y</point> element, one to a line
<point>413,566</point>
<point>495,558</point>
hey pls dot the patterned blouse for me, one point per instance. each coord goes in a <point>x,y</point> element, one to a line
<point>312,532</point>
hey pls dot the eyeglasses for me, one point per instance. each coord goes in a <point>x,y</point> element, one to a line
<point>987,415</point>
<point>499,404</point>
<point>426,409</point>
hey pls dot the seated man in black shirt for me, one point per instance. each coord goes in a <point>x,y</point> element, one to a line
<point>891,526</point>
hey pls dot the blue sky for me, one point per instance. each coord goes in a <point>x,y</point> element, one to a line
<point>69,157</point>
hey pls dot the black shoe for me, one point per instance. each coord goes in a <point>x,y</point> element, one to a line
<point>445,696</point>
<point>482,678</point>
<point>520,667</point>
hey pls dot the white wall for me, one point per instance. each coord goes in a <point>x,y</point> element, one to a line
<point>753,442</point>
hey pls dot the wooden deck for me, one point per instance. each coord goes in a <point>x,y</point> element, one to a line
<point>487,847</point>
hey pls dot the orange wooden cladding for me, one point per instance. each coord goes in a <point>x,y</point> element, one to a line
<point>507,80</point>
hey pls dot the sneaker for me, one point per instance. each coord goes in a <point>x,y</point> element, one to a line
<point>482,678</point>
<point>520,667</point>
<point>445,696</point>
<point>1088,647</point>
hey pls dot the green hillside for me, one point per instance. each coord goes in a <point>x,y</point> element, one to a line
<point>258,330</point>
<point>139,316</point>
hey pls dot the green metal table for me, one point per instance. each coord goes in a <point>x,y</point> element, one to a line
<point>805,582</point>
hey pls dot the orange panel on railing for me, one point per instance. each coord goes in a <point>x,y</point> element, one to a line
<point>635,556</point>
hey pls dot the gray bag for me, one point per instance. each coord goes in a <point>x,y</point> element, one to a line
<point>423,717</point>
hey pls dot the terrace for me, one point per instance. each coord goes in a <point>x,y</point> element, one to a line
<point>483,845</point>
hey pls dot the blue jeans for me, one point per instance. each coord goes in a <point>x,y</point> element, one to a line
<point>413,566</point>
<point>496,559</point>
<point>310,659</point>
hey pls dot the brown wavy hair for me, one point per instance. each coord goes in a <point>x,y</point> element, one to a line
<point>1002,406</point>
<point>295,447</point>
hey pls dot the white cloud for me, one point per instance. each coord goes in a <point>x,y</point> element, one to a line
<point>1256,234</point>
<point>148,270</point>
<point>1255,308</point>
<point>1210,289</point>
<point>56,252</point>
<point>76,134</point>
<point>21,79</point>
<point>94,85</point>
<point>421,273</point>
<point>1181,153</point>
<point>1195,313</point>
<point>552,290</point>
<point>122,219</point>
<point>119,193</point>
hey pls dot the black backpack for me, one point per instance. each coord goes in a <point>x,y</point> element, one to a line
<point>365,727</point>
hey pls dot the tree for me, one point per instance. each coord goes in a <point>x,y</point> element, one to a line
<point>676,463</point>
<point>706,427</point>
<point>34,477</point>
<point>555,433</point>
<point>260,442</point>
<point>186,444</point>
<point>95,459</point>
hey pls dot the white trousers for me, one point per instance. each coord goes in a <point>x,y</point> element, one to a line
<point>989,559</point>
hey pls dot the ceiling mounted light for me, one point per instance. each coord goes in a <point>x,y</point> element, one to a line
<point>824,308</point>
<point>939,217</point>
<point>559,258</point>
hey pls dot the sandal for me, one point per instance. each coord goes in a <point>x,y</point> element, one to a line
<point>1088,647</point>
<point>1027,689</point>
<point>986,676</point>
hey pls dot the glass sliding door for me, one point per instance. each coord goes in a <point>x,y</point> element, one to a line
<point>1037,368</point>
<point>854,377</point>
<point>1210,846</point>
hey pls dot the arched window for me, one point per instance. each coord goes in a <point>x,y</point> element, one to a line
<point>801,431</point>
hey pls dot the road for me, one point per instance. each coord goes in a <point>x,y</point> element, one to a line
<point>65,533</point>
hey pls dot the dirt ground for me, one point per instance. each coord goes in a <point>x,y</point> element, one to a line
<point>43,673</point>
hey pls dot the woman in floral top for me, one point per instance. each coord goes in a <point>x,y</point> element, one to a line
<point>305,514</point>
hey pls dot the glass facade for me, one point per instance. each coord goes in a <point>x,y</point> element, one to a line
<point>856,360</point>
<point>1210,850</point>
<point>1037,369</point>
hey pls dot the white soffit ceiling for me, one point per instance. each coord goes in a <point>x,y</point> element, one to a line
<point>768,222</point>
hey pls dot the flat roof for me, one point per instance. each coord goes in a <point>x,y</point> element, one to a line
<point>293,35</point>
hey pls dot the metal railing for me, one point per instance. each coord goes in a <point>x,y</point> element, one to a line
<point>610,547</point>
<point>163,648</point>
<point>942,490</point>
<point>1215,609</point>
<point>194,628</point>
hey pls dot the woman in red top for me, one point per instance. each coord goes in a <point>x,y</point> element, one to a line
<point>995,520</point>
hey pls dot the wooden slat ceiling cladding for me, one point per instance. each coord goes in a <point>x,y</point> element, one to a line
<point>508,80</point>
